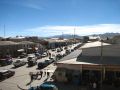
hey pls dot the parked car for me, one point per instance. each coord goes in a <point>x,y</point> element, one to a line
<point>53,49</point>
<point>6,74</point>
<point>32,57</point>
<point>41,65</point>
<point>72,50</point>
<point>7,60</point>
<point>23,55</point>
<point>44,54</point>
<point>61,48</point>
<point>52,58</point>
<point>65,47</point>
<point>45,63</point>
<point>32,60</point>
<point>58,50</point>
<point>31,63</point>
<point>19,62</point>
<point>49,61</point>
<point>38,55</point>
<point>44,86</point>
<point>68,51</point>
<point>59,56</point>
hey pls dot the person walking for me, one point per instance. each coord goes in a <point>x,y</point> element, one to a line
<point>94,86</point>
<point>48,74</point>
<point>31,76</point>
<point>44,73</point>
<point>41,73</point>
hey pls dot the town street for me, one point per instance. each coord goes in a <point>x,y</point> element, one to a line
<point>22,77</point>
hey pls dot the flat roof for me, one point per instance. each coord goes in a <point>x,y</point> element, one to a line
<point>26,42</point>
<point>73,61</point>
<point>94,44</point>
<point>7,43</point>
<point>90,53</point>
<point>72,55</point>
<point>55,40</point>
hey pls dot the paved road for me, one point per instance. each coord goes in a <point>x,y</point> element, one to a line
<point>22,77</point>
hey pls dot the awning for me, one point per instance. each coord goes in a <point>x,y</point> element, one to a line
<point>20,50</point>
<point>29,48</point>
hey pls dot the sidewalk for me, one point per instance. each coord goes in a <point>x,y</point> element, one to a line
<point>28,83</point>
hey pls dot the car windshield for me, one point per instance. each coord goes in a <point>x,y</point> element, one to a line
<point>47,60</point>
<point>29,58</point>
<point>17,61</point>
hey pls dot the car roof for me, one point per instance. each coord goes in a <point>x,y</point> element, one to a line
<point>31,56</point>
<point>19,59</point>
<point>47,59</point>
<point>4,70</point>
<point>47,85</point>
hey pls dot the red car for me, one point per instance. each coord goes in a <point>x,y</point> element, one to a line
<point>7,60</point>
<point>6,74</point>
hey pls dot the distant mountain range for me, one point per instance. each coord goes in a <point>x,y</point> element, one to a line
<point>68,36</point>
<point>105,35</point>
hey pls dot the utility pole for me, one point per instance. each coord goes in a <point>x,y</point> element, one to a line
<point>101,58</point>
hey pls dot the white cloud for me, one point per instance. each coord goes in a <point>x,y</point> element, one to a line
<point>80,30</point>
<point>33,6</point>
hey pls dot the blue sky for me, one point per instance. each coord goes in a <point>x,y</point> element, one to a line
<point>51,17</point>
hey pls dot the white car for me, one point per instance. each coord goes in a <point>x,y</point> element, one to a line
<point>44,55</point>
<point>19,62</point>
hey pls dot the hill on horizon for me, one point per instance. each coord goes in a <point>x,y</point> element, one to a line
<point>69,36</point>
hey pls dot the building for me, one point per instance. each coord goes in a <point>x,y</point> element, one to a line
<point>114,40</point>
<point>55,42</point>
<point>27,46</point>
<point>93,62</point>
<point>8,47</point>
<point>16,39</point>
<point>15,48</point>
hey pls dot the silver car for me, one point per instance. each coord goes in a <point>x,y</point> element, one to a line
<point>19,62</point>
